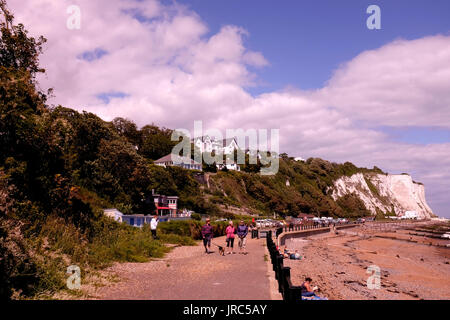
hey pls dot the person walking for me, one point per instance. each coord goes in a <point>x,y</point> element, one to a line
<point>242,231</point>
<point>207,235</point>
<point>229,231</point>
<point>153,225</point>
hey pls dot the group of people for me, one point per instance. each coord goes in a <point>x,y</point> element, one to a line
<point>288,254</point>
<point>241,232</point>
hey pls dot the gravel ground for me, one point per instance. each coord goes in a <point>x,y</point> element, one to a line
<point>187,273</point>
<point>411,268</point>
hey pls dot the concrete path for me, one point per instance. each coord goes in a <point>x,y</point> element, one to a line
<point>188,273</point>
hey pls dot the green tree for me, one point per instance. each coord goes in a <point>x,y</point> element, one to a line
<point>19,99</point>
<point>155,142</point>
<point>128,129</point>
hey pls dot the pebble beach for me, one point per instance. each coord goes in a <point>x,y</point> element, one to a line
<point>412,266</point>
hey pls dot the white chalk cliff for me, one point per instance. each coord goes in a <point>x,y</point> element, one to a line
<point>387,192</point>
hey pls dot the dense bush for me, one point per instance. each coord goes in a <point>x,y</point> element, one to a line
<point>192,228</point>
<point>196,216</point>
<point>353,206</point>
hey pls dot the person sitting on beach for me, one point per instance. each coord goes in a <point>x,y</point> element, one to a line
<point>307,291</point>
<point>282,251</point>
<point>286,253</point>
<point>295,255</point>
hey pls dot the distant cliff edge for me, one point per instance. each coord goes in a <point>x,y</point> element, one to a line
<point>392,194</point>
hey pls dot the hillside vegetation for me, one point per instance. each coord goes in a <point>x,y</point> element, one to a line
<point>307,190</point>
<point>60,168</point>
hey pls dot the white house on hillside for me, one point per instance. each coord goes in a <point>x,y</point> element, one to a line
<point>229,166</point>
<point>208,144</point>
<point>225,146</point>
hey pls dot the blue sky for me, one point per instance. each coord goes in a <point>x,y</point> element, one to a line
<point>306,41</point>
<point>297,37</point>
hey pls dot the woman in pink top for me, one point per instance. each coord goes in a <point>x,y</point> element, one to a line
<point>229,231</point>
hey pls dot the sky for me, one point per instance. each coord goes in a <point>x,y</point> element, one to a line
<point>312,69</point>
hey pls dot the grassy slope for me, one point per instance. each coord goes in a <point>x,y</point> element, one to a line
<point>308,190</point>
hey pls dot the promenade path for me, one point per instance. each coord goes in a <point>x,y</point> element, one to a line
<point>188,273</point>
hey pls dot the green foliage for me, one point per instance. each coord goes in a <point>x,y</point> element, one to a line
<point>181,228</point>
<point>191,228</point>
<point>372,187</point>
<point>196,216</point>
<point>128,130</point>
<point>155,142</point>
<point>177,239</point>
<point>309,190</point>
<point>119,242</point>
<point>59,168</point>
<point>353,206</point>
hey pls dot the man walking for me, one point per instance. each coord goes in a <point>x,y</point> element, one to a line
<point>154,225</point>
<point>207,235</point>
<point>242,231</point>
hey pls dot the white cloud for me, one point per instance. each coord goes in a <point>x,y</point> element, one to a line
<point>404,83</point>
<point>173,72</point>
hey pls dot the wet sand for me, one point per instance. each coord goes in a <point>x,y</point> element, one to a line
<point>412,267</point>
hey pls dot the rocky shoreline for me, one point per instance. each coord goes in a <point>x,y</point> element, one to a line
<point>412,265</point>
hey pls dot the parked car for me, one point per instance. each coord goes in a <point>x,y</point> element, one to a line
<point>279,224</point>
<point>263,223</point>
<point>259,223</point>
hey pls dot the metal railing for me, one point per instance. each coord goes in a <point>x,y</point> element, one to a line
<point>301,227</point>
